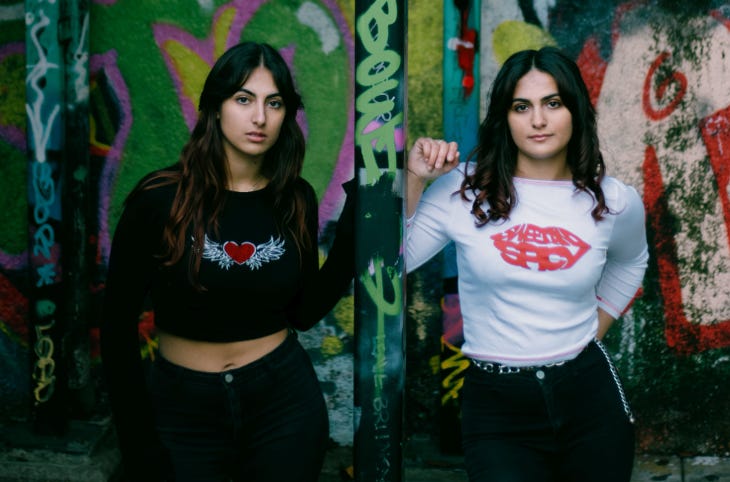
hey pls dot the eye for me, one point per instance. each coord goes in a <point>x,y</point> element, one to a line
<point>520,107</point>
<point>242,100</point>
<point>554,103</point>
<point>276,103</point>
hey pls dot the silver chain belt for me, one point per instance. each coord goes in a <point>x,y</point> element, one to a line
<point>491,367</point>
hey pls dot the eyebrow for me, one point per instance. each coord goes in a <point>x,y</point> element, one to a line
<point>547,97</point>
<point>246,91</point>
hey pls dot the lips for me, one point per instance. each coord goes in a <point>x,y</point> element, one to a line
<point>256,136</point>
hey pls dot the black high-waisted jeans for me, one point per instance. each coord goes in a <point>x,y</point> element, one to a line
<point>565,423</point>
<point>264,422</point>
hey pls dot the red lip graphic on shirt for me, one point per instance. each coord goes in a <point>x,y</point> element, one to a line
<point>542,249</point>
<point>239,253</point>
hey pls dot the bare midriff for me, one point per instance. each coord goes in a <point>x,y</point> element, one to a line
<point>205,356</point>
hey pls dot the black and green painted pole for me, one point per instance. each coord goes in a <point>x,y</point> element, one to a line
<point>380,103</point>
<point>57,140</point>
<point>44,109</point>
<point>78,255</point>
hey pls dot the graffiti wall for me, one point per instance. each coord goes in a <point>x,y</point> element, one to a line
<point>657,74</point>
<point>146,67</point>
<point>15,382</point>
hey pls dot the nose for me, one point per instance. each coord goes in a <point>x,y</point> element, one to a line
<point>538,119</point>
<point>259,114</point>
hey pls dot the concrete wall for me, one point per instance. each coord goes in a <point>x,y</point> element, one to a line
<point>657,72</point>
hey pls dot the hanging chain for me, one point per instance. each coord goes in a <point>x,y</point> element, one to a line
<point>614,373</point>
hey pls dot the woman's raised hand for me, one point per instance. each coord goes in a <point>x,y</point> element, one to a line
<point>430,158</point>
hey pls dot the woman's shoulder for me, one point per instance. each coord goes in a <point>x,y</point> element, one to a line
<point>446,185</point>
<point>452,180</point>
<point>618,194</point>
<point>303,186</point>
<point>156,187</point>
<point>301,183</point>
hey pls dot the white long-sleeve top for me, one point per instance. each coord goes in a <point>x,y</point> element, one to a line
<point>530,286</point>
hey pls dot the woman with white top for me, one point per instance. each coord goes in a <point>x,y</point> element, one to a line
<point>550,251</point>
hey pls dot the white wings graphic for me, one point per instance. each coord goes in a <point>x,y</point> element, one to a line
<point>229,253</point>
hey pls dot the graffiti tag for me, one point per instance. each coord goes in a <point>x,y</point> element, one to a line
<point>43,371</point>
<point>376,289</point>
<point>375,73</point>
<point>455,365</point>
<point>42,113</point>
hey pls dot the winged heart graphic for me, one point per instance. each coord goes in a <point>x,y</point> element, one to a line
<point>248,254</point>
<point>240,253</point>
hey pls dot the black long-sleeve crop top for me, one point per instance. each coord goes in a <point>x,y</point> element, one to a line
<point>255,284</point>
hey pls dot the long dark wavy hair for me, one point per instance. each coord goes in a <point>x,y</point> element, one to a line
<point>202,172</point>
<point>496,152</point>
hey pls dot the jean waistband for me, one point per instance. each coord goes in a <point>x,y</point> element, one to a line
<point>500,369</point>
<point>274,356</point>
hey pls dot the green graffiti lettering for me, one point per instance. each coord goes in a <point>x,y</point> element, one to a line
<point>374,72</point>
<point>378,68</point>
<point>382,139</point>
<point>374,23</point>
<point>376,291</point>
<point>366,102</point>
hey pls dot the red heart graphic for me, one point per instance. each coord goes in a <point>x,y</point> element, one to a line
<point>240,253</point>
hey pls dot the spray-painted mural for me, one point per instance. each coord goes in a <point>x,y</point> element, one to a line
<point>657,73</point>
<point>15,381</point>
<point>146,67</point>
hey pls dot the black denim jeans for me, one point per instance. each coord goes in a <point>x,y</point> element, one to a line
<point>264,422</point>
<point>564,423</point>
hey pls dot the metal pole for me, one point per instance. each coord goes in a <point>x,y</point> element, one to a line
<point>380,100</point>
<point>44,109</point>
<point>461,124</point>
<point>74,36</point>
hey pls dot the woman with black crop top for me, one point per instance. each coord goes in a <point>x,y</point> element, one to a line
<point>224,246</point>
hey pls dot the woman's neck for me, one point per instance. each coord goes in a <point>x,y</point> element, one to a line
<point>246,176</point>
<point>543,170</point>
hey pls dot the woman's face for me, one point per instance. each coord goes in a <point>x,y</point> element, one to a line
<point>541,126</point>
<point>251,118</point>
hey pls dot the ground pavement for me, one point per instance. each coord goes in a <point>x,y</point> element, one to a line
<point>87,453</point>
<point>425,463</point>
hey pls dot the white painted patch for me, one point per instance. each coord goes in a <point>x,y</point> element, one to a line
<point>317,19</point>
<point>720,361</point>
<point>12,12</point>
<point>542,8</point>
<point>705,461</point>
<point>206,5</point>
<point>494,12</point>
